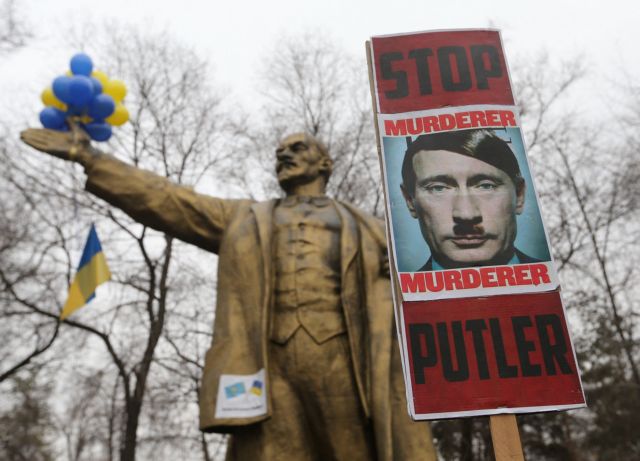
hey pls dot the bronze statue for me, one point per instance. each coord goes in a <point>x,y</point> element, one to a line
<point>304,363</point>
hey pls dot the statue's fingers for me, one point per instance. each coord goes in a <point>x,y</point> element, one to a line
<point>39,133</point>
<point>44,140</point>
<point>32,136</point>
<point>35,136</point>
<point>52,136</point>
<point>35,143</point>
<point>28,133</point>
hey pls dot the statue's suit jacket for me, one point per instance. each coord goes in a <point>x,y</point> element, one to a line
<point>240,232</point>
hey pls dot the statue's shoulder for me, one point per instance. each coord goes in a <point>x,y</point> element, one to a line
<point>361,214</point>
<point>367,221</point>
<point>260,210</point>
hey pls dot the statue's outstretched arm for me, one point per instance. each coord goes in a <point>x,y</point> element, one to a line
<point>148,198</point>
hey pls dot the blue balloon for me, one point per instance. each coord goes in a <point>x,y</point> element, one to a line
<point>101,107</point>
<point>81,64</point>
<point>73,111</point>
<point>97,86</point>
<point>98,131</point>
<point>80,90</point>
<point>52,118</point>
<point>61,88</point>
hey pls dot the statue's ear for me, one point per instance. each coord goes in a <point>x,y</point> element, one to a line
<point>326,166</point>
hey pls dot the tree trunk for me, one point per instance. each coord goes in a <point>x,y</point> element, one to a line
<point>466,443</point>
<point>128,452</point>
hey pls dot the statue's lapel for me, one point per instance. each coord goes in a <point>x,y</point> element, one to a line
<point>348,238</point>
<point>263,212</point>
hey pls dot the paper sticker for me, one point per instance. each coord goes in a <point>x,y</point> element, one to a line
<point>241,396</point>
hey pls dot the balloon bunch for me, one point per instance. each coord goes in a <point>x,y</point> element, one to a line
<point>86,95</point>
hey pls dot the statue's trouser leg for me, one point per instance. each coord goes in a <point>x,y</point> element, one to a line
<point>317,414</point>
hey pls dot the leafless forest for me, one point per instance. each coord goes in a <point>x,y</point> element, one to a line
<point>120,379</point>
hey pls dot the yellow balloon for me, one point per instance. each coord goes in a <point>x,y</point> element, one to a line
<point>100,76</point>
<point>49,99</point>
<point>86,119</point>
<point>68,73</point>
<point>47,96</point>
<point>116,89</point>
<point>119,117</point>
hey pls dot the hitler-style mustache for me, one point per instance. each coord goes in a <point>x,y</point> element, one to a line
<point>470,228</point>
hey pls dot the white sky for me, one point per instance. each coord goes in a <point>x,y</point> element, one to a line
<point>234,35</point>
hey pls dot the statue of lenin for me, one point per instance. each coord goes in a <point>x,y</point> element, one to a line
<point>304,363</point>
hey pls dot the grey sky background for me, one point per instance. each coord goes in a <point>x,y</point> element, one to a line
<point>236,36</point>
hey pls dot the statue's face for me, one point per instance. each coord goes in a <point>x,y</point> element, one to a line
<point>299,161</point>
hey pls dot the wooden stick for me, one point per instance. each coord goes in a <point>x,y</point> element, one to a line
<point>506,438</point>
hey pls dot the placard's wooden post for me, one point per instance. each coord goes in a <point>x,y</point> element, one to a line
<point>506,438</point>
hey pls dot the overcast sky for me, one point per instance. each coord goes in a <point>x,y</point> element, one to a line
<point>235,35</point>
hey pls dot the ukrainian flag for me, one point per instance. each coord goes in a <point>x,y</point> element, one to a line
<point>92,271</point>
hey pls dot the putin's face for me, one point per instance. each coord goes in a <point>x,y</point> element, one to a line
<point>466,208</point>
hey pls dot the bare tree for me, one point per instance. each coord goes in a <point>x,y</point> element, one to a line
<point>176,129</point>
<point>312,86</point>
<point>587,179</point>
<point>14,31</point>
<point>27,422</point>
<point>13,35</point>
<point>136,360</point>
<point>21,256</point>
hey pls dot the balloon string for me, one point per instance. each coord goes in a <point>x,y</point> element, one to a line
<point>74,195</point>
<point>76,220</point>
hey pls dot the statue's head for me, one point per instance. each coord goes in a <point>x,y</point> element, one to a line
<point>302,159</point>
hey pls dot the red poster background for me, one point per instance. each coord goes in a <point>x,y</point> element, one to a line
<point>499,91</point>
<point>438,395</point>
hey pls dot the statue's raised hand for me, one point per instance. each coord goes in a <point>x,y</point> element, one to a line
<point>71,145</point>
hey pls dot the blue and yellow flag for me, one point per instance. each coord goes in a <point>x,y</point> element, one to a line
<point>92,271</point>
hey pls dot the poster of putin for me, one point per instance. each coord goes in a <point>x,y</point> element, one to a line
<point>480,319</point>
<point>463,210</point>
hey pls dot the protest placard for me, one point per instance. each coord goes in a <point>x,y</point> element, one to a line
<point>478,308</point>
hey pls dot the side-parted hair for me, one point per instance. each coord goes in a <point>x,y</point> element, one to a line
<point>483,145</point>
